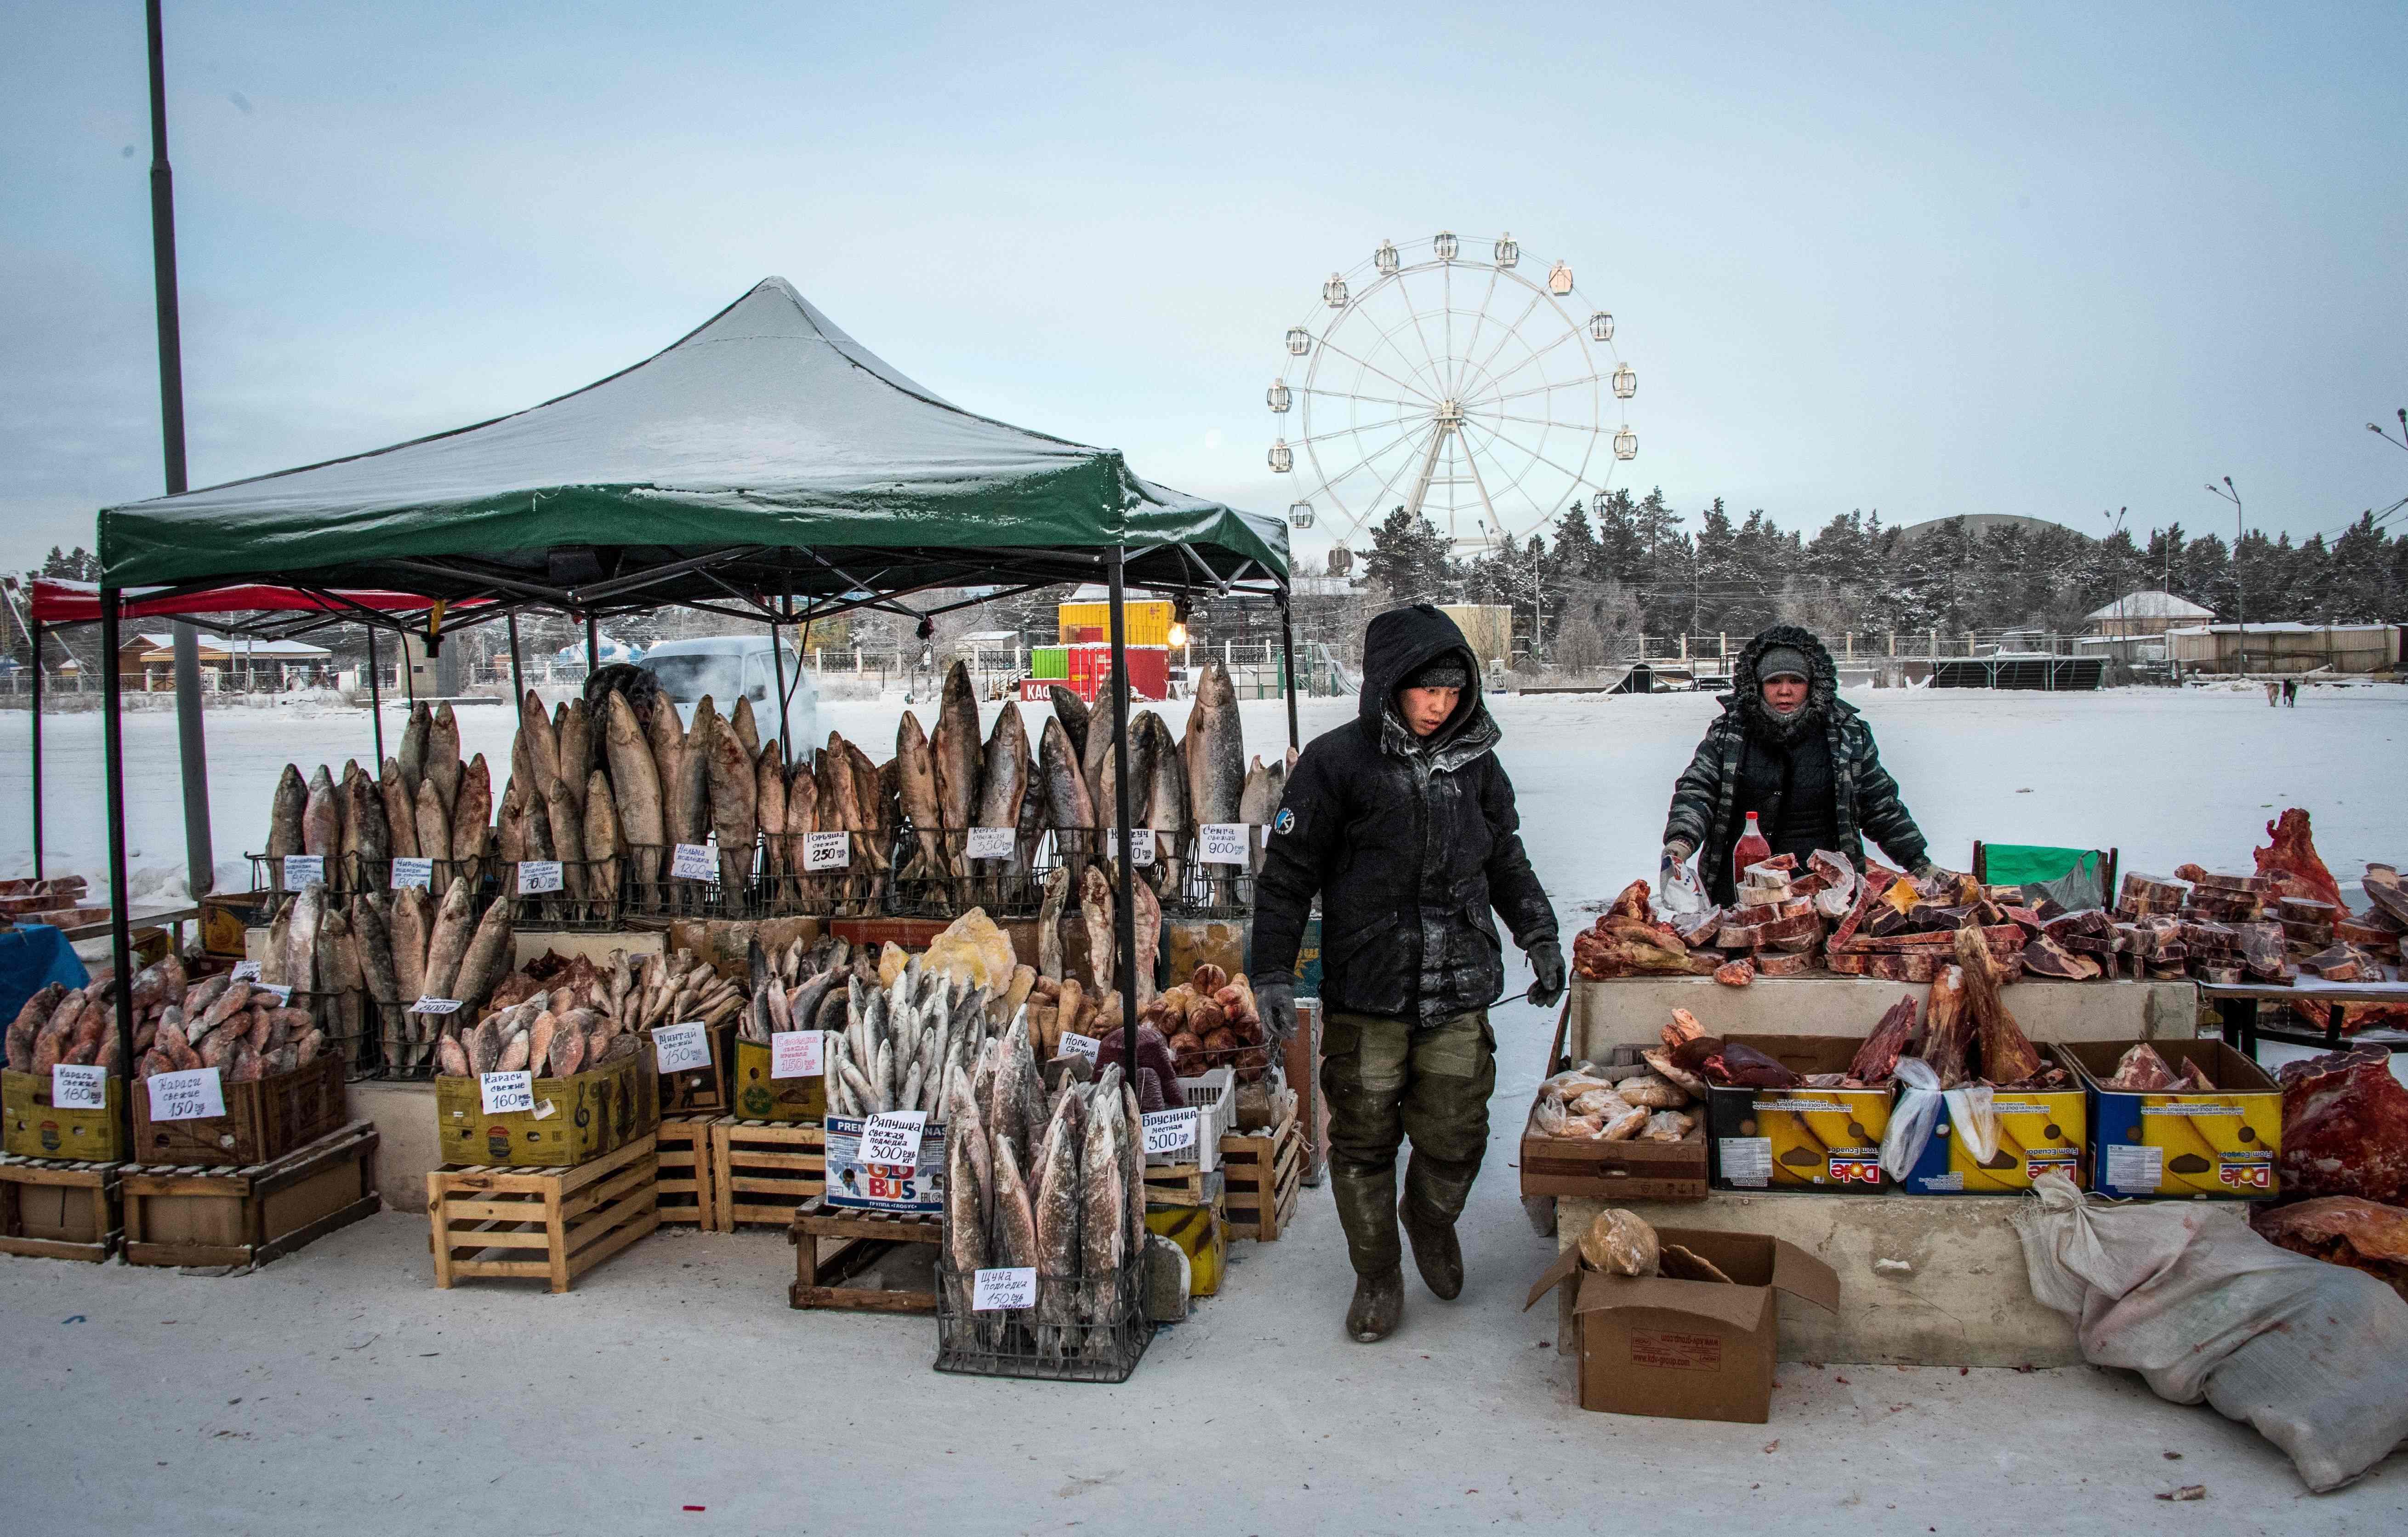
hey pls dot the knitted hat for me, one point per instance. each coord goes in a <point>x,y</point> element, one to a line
<point>1446,671</point>
<point>1783,662</point>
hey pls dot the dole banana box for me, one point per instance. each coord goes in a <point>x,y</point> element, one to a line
<point>1799,1139</point>
<point>2220,1145</point>
<point>2039,1132</point>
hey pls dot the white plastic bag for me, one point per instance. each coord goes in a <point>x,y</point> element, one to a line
<point>1912,1118</point>
<point>1679,890</point>
<point>1972,1116</point>
<point>2312,1354</point>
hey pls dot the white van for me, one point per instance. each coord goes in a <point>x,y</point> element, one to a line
<point>728,666</point>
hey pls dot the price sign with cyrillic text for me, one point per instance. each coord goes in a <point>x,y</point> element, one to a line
<point>798,1053</point>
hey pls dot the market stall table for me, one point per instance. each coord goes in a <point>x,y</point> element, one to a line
<point>2238,1004</point>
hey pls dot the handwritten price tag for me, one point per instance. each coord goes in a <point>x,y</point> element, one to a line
<point>1075,1044</point>
<point>998,1291</point>
<point>196,1095</point>
<point>301,869</point>
<point>505,1092</point>
<point>413,872</point>
<point>893,1137</point>
<point>798,1053</point>
<point>245,972</point>
<point>74,1087</point>
<point>1141,852</point>
<point>283,991</point>
<point>1223,842</point>
<point>435,1005</point>
<point>537,876</point>
<point>1169,1131</point>
<point>989,843</point>
<point>682,1048</point>
<point>692,862</point>
<point>826,850</point>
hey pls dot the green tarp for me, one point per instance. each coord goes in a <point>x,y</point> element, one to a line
<point>764,434</point>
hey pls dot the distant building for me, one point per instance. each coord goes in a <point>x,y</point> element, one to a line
<point>2150,612</point>
<point>150,657</point>
<point>2285,646</point>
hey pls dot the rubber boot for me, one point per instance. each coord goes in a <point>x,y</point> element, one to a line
<point>1436,1253</point>
<point>1378,1306</point>
<point>1366,1198</point>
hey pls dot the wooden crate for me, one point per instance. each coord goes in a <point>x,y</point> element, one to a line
<point>862,1238</point>
<point>702,1089</point>
<point>1265,1172</point>
<point>571,1219</point>
<point>265,1119</point>
<point>59,1209</point>
<point>1184,1185</point>
<point>687,1194</point>
<point>202,1215</point>
<point>764,1171</point>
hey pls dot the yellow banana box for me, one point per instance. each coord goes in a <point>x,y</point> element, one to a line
<point>2039,1132</point>
<point>1826,1139</point>
<point>2221,1144</point>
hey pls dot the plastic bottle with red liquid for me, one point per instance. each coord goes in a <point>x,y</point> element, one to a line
<point>1751,849</point>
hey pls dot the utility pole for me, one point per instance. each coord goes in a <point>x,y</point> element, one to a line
<point>200,862</point>
<point>2240,613</point>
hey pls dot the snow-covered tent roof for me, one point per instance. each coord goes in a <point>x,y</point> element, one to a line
<point>765,452</point>
<point>2151,604</point>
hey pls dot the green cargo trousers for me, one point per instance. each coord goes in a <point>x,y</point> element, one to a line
<point>1387,1080</point>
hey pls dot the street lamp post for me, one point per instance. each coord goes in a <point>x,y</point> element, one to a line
<point>2240,612</point>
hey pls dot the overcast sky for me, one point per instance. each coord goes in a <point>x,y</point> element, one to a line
<point>1931,260</point>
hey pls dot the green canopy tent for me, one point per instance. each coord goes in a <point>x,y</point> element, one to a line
<point>766,467</point>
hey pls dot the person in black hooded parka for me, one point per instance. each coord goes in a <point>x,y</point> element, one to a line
<point>1402,821</point>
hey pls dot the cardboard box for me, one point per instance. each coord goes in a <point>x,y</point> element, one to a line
<point>762,1098</point>
<point>30,1129</point>
<point>1688,1349</point>
<point>575,1119</point>
<point>2039,1132</point>
<point>1800,1138</point>
<point>855,1186</point>
<point>2219,1146</point>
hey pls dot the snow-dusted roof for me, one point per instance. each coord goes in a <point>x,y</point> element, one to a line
<point>166,642</point>
<point>2152,604</point>
<point>2279,627</point>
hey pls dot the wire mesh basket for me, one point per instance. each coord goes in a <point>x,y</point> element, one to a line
<point>1104,1345</point>
<point>649,886</point>
<point>934,877</point>
<point>789,888</point>
<point>590,898</point>
<point>1202,890</point>
<point>349,874</point>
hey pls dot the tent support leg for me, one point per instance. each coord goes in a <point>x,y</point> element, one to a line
<point>1287,665</point>
<point>120,937</point>
<point>1124,900</point>
<point>35,629</point>
<point>778,665</point>
<point>518,684</point>
<point>593,646</point>
<point>375,697</point>
<point>192,753</point>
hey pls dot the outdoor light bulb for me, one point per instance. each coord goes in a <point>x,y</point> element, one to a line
<point>1178,634</point>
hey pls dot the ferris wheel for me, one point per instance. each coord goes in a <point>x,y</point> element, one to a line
<point>1478,393</point>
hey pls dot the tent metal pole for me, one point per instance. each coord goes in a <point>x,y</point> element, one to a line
<point>200,859</point>
<point>120,937</point>
<point>778,663</point>
<point>35,629</point>
<point>593,644</point>
<point>1124,900</point>
<point>518,681</point>
<point>1287,662</point>
<point>376,696</point>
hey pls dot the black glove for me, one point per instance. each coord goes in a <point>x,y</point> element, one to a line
<point>1275,1000</point>
<point>1547,961</point>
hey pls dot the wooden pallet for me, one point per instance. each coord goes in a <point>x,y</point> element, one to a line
<point>572,1219</point>
<point>23,1181</point>
<point>764,1171</point>
<point>1184,1185</point>
<point>862,1238</point>
<point>196,1216</point>
<point>688,1195</point>
<point>1265,1174</point>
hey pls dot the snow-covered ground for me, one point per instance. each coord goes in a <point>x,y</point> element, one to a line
<point>2165,775</point>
